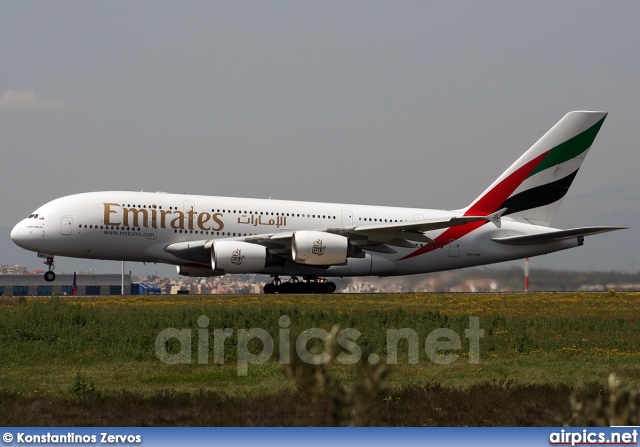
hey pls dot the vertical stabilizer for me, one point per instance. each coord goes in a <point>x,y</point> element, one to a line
<point>533,187</point>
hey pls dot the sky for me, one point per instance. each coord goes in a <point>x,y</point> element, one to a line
<point>404,103</point>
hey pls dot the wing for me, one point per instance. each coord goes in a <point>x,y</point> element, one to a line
<point>380,237</point>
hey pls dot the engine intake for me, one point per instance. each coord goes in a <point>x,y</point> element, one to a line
<point>238,257</point>
<point>318,248</point>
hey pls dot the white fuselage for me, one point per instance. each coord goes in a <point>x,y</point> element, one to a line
<point>138,226</point>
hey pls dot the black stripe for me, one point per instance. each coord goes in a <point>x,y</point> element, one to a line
<point>539,196</point>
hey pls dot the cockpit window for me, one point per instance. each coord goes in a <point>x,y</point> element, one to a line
<point>30,216</point>
<point>35,216</point>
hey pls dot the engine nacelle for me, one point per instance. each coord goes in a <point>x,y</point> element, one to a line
<point>238,257</point>
<point>195,271</point>
<point>318,248</point>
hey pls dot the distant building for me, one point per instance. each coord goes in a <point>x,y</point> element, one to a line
<point>86,284</point>
<point>145,289</point>
<point>12,269</point>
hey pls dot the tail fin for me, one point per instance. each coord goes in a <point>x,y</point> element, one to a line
<point>533,187</point>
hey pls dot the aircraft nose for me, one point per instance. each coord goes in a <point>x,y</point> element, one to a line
<point>20,235</point>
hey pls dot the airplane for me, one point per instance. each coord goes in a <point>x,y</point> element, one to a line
<point>312,241</point>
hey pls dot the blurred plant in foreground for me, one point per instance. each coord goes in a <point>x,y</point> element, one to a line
<point>591,406</point>
<point>352,402</point>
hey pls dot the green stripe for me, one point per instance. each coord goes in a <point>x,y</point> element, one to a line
<point>570,148</point>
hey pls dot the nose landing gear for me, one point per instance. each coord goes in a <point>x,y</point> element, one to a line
<point>49,276</point>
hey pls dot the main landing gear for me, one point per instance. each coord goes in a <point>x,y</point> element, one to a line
<point>49,276</point>
<point>309,284</point>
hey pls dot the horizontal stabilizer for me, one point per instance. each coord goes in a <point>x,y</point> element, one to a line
<point>553,236</point>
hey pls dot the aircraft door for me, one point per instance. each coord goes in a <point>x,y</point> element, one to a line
<point>65,226</point>
<point>189,206</point>
<point>454,248</point>
<point>347,218</point>
<point>151,230</point>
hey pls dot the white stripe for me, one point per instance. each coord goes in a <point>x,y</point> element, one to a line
<point>551,174</point>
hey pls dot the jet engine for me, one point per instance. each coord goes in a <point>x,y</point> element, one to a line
<point>318,248</point>
<point>238,257</point>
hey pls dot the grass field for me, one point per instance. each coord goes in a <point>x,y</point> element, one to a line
<point>93,361</point>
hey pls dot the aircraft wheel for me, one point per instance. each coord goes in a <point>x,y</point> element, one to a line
<point>286,287</point>
<point>330,287</point>
<point>49,276</point>
<point>269,289</point>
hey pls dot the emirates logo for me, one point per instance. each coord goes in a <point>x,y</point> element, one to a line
<point>236,257</point>
<point>318,248</point>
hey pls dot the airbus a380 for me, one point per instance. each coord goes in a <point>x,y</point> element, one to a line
<point>309,241</point>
